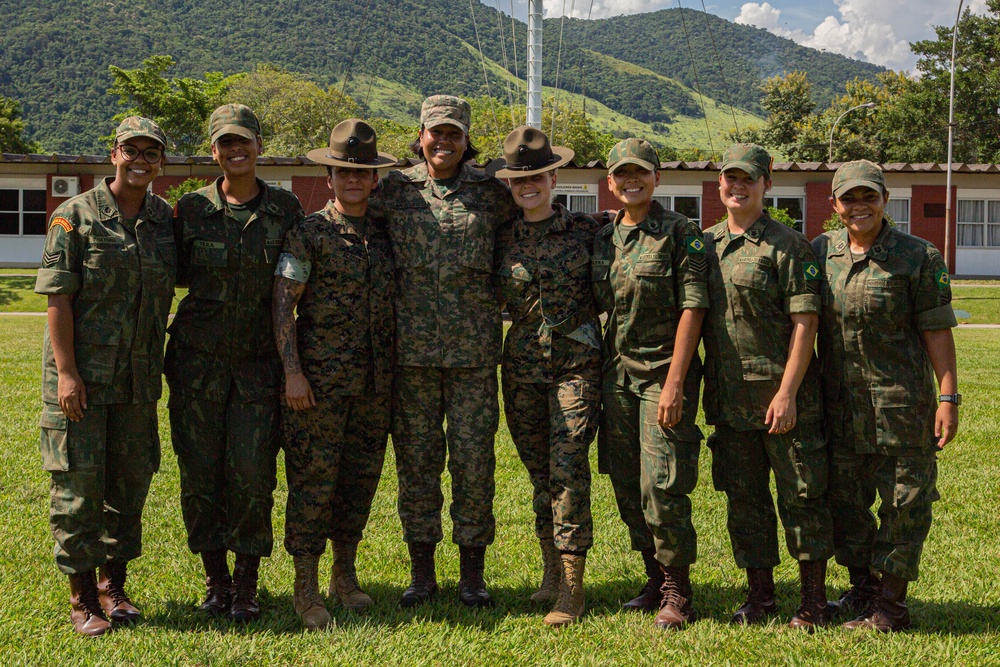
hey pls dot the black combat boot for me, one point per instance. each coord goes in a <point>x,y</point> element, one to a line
<point>865,587</point>
<point>471,585</point>
<point>218,583</point>
<point>760,597</point>
<point>423,581</point>
<point>246,606</point>
<point>649,597</point>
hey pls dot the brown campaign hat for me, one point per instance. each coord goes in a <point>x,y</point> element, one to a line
<point>352,144</point>
<point>527,152</point>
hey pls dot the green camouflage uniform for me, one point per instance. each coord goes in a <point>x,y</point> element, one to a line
<point>223,368</point>
<point>552,368</point>
<point>879,393</point>
<point>757,280</point>
<point>122,282</point>
<point>448,337</point>
<point>643,277</point>
<point>344,328</point>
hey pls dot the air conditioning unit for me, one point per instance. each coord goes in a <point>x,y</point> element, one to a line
<point>65,186</point>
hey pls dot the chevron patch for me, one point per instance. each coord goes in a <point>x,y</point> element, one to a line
<point>51,258</point>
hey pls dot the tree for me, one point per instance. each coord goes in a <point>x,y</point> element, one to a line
<point>788,103</point>
<point>173,194</point>
<point>12,129</point>
<point>180,106</point>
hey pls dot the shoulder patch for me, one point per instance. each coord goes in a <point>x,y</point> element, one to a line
<point>51,258</point>
<point>942,279</point>
<point>811,270</point>
<point>695,245</point>
<point>62,222</point>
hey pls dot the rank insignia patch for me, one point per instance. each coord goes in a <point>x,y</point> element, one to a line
<point>62,222</point>
<point>51,258</point>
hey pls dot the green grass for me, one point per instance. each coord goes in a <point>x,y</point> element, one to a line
<point>982,303</point>
<point>18,271</point>
<point>954,604</point>
<point>17,295</point>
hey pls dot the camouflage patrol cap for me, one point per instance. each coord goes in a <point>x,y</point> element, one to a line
<point>445,110</point>
<point>235,119</point>
<point>751,158</point>
<point>137,126</point>
<point>862,173</point>
<point>633,151</point>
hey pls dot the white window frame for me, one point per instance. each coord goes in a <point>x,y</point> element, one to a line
<point>902,224</point>
<point>22,184</point>
<point>580,197</point>
<point>667,196</point>
<point>771,199</point>
<point>988,227</point>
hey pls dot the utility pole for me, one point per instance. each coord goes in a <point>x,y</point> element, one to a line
<point>535,64</point>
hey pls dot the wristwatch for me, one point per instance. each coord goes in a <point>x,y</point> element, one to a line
<point>950,398</point>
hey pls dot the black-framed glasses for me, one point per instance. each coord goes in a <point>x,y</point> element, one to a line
<point>130,153</point>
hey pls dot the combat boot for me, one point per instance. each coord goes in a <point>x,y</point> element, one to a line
<point>812,612</point>
<point>246,606</point>
<point>423,581</point>
<point>865,587</point>
<point>307,601</point>
<point>760,597</point>
<point>676,610</point>
<point>887,612</point>
<point>571,602</point>
<point>548,591</point>
<point>86,613</point>
<point>649,597</point>
<point>218,583</point>
<point>111,592</point>
<point>344,578</point>
<point>471,585</point>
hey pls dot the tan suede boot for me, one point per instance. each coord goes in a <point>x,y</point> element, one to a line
<point>548,591</point>
<point>571,602</point>
<point>344,578</point>
<point>308,603</point>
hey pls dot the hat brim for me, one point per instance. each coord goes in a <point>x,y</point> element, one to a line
<point>238,130</point>
<point>754,170</point>
<point>859,182</point>
<point>146,135</point>
<point>645,164</point>
<point>563,154</point>
<point>323,156</point>
<point>446,121</point>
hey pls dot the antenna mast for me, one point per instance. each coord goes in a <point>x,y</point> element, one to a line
<point>535,63</point>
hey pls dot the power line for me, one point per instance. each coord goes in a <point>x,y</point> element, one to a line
<point>506,65</point>
<point>555,93</point>
<point>697,83</point>
<point>357,44</point>
<point>482,57</point>
<point>378,53</point>
<point>722,71</point>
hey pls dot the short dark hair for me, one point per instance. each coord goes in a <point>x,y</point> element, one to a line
<point>470,151</point>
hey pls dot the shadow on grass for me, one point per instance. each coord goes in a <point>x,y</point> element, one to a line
<point>12,288</point>
<point>712,602</point>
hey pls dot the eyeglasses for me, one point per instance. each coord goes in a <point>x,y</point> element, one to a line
<point>130,153</point>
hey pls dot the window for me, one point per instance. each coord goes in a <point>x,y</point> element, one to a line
<point>577,203</point>
<point>22,212</point>
<point>899,211</point>
<point>978,223</point>
<point>793,206</point>
<point>687,205</point>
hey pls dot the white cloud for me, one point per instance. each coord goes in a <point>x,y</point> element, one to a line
<point>602,9</point>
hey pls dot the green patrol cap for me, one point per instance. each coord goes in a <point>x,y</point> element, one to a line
<point>633,151</point>
<point>858,173</point>
<point>235,119</point>
<point>137,126</point>
<point>446,110</point>
<point>751,158</point>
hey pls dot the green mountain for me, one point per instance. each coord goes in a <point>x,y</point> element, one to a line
<point>658,73</point>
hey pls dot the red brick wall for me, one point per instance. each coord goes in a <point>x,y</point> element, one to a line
<point>606,200</point>
<point>818,208</point>
<point>52,203</point>
<point>931,227</point>
<point>311,191</point>
<point>712,209</point>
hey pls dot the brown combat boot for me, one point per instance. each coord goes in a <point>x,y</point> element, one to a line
<point>649,597</point>
<point>471,585</point>
<point>87,616</point>
<point>865,587</point>
<point>812,612</point>
<point>344,578</point>
<point>218,583</point>
<point>423,581</point>
<point>760,597</point>
<point>307,601</point>
<point>676,610</point>
<point>111,592</point>
<point>246,606</point>
<point>571,602</point>
<point>887,612</point>
<point>548,591</point>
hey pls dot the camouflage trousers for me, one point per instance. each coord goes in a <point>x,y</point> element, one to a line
<point>424,398</point>
<point>907,486</point>
<point>227,454</point>
<point>101,469</point>
<point>552,426</point>
<point>652,469</point>
<point>742,462</point>
<point>333,461</point>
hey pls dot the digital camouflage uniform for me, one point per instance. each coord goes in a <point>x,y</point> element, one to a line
<point>757,281</point>
<point>448,338</point>
<point>122,282</point>
<point>223,368</point>
<point>344,327</point>
<point>879,393</point>
<point>552,368</point>
<point>643,276</point>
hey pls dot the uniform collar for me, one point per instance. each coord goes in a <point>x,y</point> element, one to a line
<point>467,173</point>
<point>652,223</point>
<point>108,207</point>
<point>215,203</point>
<point>754,234</point>
<point>341,224</point>
<point>886,239</point>
<point>561,223</point>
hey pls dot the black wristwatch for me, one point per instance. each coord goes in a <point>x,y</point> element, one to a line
<point>950,398</point>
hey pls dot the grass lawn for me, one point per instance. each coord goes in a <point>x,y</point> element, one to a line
<point>954,604</point>
<point>17,295</point>
<point>982,303</point>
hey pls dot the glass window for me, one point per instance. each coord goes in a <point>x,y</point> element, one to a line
<point>8,223</point>
<point>793,206</point>
<point>899,211</point>
<point>583,203</point>
<point>971,214</point>
<point>22,212</point>
<point>688,206</point>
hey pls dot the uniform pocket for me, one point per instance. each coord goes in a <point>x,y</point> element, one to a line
<point>653,274</point>
<point>887,307</point>
<point>895,416</point>
<point>209,253</point>
<point>96,353</point>
<point>809,456</point>
<point>53,445</point>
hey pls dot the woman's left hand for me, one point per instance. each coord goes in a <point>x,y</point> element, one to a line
<point>668,411</point>
<point>945,423</point>
<point>781,413</point>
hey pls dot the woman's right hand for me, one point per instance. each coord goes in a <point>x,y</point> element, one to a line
<point>298,392</point>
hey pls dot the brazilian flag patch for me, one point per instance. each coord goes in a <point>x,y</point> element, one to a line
<point>942,279</point>
<point>810,270</point>
<point>695,245</point>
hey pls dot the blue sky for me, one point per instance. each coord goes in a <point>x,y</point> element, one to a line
<point>877,31</point>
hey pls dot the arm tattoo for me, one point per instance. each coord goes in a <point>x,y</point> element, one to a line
<point>286,295</point>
